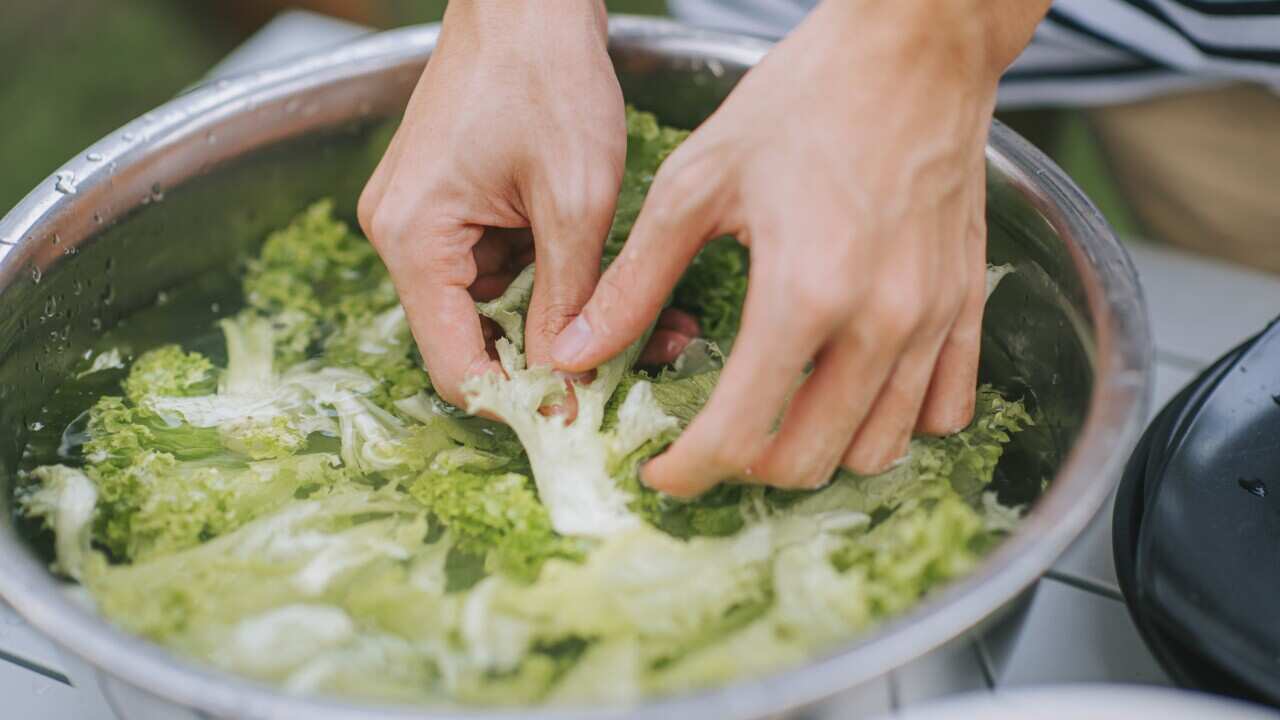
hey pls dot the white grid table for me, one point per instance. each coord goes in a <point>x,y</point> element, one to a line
<point>1075,627</point>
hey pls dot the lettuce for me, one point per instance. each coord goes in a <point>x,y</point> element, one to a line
<point>312,514</point>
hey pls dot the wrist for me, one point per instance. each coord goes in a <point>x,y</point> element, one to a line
<point>972,39</point>
<point>520,21</point>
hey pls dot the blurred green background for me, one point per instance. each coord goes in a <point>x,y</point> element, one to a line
<point>74,70</point>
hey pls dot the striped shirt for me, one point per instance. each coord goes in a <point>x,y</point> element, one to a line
<point>1089,52</point>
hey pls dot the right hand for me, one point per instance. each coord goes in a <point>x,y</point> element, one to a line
<point>517,122</point>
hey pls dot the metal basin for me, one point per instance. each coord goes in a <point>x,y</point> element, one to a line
<point>202,178</point>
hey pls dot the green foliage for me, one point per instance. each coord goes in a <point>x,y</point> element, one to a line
<point>715,285</point>
<point>120,432</point>
<point>495,515</point>
<point>714,289</point>
<point>168,370</point>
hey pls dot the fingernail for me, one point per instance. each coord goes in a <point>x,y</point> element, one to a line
<point>572,341</point>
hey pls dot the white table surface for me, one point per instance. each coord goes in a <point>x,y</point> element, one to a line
<point>1075,629</point>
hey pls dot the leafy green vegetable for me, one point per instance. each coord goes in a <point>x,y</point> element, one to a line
<point>120,432</point>
<point>65,499</point>
<point>168,370</point>
<point>314,515</point>
<point>715,286</point>
<point>496,515</point>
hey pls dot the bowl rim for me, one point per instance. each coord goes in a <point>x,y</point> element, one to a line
<point>1117,409</point>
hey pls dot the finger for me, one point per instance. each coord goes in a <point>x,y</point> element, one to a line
<point>432,280</point>
<point>732,430</point>
<point>949,404</point>
<point>664,346</point>
<point>886,433</point>
<point>679,321</point>
<point>569,239</point>
<point>677,217</point>
<point>825,413</point>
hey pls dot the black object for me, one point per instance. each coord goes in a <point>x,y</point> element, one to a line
<point>1196,531</point>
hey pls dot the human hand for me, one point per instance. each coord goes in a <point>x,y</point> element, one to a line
<point>852,165</point>
<point>517,122</point>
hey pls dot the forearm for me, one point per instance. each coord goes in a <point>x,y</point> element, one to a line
<point>515,20</point>
<point>977,37</point>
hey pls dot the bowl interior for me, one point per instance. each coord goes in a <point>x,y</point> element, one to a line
<point>203,193</point>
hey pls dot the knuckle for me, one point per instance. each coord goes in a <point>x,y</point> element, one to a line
<point>366,208</point>
<point>571,206</point>
<point>898,310</point>
<point>552,318</point>
<point>679,189</point>
<point>966,333</point>
<point>822,303</point>
<point>384,225</point>
<point>953,294</point>
<point>735,457</point>
<point>599,199</point>
<point>584,194</point>
<point>731,451</point>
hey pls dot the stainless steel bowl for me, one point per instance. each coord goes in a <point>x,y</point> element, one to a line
<point>188,186</point>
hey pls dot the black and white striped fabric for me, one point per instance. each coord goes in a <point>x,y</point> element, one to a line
<point>1089,52</point>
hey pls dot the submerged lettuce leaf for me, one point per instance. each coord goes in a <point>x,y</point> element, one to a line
<point>315,516</point>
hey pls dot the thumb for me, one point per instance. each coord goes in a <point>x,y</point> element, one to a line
<point>673,225</point>
<point>568,239</point>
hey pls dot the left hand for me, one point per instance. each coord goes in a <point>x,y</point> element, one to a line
<point>851,162</point>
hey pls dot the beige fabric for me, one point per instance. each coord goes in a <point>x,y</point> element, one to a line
<point>1201,169</point>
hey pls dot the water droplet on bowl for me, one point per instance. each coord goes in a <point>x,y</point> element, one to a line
<point>128,137</point>
<point>94,157</point>
<point>65,182</point>
<point>36,275</point>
